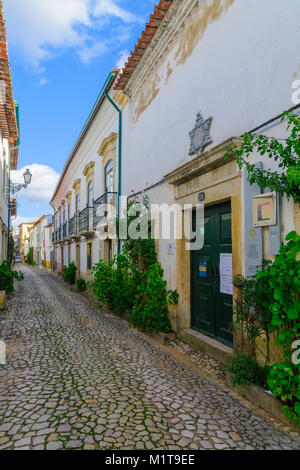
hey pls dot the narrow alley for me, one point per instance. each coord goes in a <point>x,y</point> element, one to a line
<point>79,378</point>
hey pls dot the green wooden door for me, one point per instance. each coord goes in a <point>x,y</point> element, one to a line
<point>211,310</point>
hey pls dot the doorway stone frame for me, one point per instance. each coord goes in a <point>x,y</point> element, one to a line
<point>221,181</point>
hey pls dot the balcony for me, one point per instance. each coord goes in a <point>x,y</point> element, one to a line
<point>99,211</point>
<point>86,228</point>
<point>66,231</point>
<point>57,235</point>
<point>84,224</point>
<point>73,227</point>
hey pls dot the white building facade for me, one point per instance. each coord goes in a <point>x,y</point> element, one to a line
<point>9,138</point>
<point>203,74</point>
<point>89,181</point>
<point>40,240</point>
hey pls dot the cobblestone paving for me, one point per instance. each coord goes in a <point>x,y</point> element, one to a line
<point>77,378</point>
<point>203,361</point>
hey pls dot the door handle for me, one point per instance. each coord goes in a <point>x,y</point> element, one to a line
<point>217,277</point>
<point>212,274</point>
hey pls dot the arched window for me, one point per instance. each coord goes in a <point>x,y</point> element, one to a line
<point>108,175</point>
<point>90,194</point>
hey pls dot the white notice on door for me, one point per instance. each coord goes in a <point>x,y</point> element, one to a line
<point>226,273</point>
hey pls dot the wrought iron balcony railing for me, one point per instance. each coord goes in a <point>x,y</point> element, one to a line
<point>86,220</point>
<point>57,235</point>
<point>65,230</point>
<point>110,199</point>
<point>72,226</point>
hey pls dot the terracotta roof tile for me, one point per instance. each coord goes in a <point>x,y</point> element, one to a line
<point>160,11</point>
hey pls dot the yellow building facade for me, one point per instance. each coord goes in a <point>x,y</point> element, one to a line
<point>24,230</point>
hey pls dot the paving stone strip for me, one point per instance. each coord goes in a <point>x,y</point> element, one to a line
<point>77,378</point>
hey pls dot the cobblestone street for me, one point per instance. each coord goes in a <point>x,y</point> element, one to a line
<point>77,378</point>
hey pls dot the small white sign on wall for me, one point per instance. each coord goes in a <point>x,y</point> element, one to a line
<point>226,273</point>
<point>264,210</point>
<point>171,248</point>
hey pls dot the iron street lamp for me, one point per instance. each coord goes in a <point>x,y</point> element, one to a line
<point>16,187</point>
<point>27,177</point>
<point>13,188</point>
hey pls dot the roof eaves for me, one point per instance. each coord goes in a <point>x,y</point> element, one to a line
<point>39,220</point>
<point>160,11</point>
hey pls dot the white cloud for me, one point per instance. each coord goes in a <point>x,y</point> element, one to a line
<point>96,50</point>
<point>41,29</point>
<point>43,81</point>
<point>43,183</point>
<point>46,25</point>
<point>123,58</point>
<point>22,220</point>
<point>110,8</point>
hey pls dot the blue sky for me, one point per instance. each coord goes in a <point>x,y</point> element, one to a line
<point>61,52</point>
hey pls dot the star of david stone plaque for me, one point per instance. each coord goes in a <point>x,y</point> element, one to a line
<point>200,137</point>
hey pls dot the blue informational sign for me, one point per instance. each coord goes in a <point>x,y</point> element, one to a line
<point>202,269</point>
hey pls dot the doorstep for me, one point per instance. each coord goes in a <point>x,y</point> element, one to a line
<point>210,346</point>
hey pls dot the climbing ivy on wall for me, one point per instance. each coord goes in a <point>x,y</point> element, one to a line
<point>286,152</point>
<point>269,302</point>
<point>132,283</point>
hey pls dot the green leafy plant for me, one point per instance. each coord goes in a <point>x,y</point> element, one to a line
<point>11,248</point>
<point>132,283</point>
<point>102,283</point>
<point>245,370</point>
<point>7,277</point>
<point>81,284</point>
<point>150,309</point>
<point>69,273</point>
<point>286,180</point>
<point>269,302</point>
<point>29,257</point>
<point>251,312</point>
<point>284,382</point>
<point>125,280</point>
<point>284,282</point>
